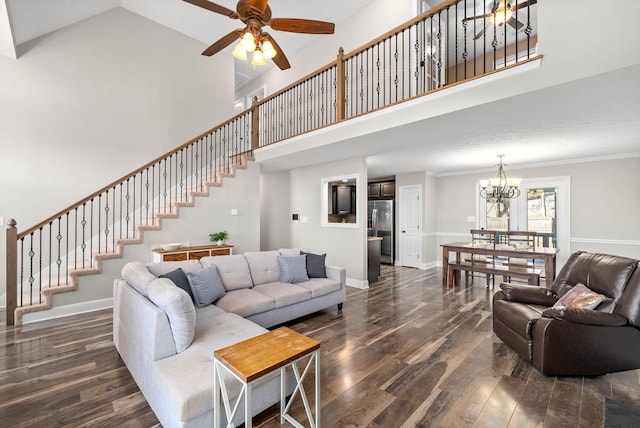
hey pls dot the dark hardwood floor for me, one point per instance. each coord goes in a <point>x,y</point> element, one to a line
<point>406,352</point>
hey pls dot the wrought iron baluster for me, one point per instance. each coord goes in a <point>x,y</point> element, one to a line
<point>106,223</point>
<point>113,219</point>
<point>59,255</point>
<point>75,240</point>
<point>84,230</point>
<point>67,247</point>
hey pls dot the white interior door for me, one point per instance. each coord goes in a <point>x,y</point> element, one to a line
<point>410,212</point>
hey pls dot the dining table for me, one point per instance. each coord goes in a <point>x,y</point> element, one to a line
<point>546,254</point>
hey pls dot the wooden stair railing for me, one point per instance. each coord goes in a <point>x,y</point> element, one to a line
<point>437,49</point>
<point>49,257</point>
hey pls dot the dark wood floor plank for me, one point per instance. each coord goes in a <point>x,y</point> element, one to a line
<point>407,352</point>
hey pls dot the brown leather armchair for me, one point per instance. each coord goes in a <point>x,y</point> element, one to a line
<point>565,341</point>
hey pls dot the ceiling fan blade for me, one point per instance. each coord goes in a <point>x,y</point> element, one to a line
<point>280,59</point>
<point>471,18</point>
<point>306,26</point>
<point>213,7</point>
<point>480,33</point>
<point>515,24</point>
<point>524,4</point>
<point>223,42</point>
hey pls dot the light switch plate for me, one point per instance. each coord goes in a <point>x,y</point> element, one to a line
<point>1,221</point>
<point>234,211</point>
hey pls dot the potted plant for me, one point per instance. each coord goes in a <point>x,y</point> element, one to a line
<point>219,237</point>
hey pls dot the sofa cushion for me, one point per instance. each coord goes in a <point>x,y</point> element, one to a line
<point>162,268</point>
<point>580,297</point>
<point>138,276</point>
<point>206,286</point>
<point>316,265</point>
<point>177,304</point>
<point>320,286</point>
<point>263,266</point>
<point>246,302</point>
<point>293,269</point>
<point>179,278</point>
<point>284,294</point>
<point>186,380</point>
<point>233,270</point>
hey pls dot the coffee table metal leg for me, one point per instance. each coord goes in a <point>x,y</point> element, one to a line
<point>220,394</point>
<point>284,409</point>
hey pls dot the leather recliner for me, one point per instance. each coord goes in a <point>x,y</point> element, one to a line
<point>566,341</point>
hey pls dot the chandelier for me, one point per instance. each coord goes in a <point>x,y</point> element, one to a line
<point>499,189</point>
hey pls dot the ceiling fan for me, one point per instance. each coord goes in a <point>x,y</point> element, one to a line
<point>256,14</point>
<point>501,12</point>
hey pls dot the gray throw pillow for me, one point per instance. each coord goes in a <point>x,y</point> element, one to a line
<point>315,265</point>
<point>179,278</point>
<point>206,286</point>
<point>293,269</point>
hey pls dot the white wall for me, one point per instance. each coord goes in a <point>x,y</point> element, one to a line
<point>344,247</point>
<point>87,104</point>
<point>378,17</point>
<point>605,204</point>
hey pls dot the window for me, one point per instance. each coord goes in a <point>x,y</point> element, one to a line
<point>340,201</point>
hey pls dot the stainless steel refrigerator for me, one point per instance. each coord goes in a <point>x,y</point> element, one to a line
<point>380,224</point>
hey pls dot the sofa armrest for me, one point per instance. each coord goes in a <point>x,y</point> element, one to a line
<point>585,316</point>
<point>338,274</point>
<point>528,294</point>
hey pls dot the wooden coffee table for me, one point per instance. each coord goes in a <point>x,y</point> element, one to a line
<point>254,358</point>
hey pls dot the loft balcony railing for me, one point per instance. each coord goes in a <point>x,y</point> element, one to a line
<point>455,42</point>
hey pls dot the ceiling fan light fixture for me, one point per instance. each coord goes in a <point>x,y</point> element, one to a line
<point>502,14</point>
<point>258,58</point>
<point>268,50</point>
<point>248,42</point>
<point>239,52</point>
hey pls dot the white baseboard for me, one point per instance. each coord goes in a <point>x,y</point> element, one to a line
<point>67,310</point>
<point>358,283</point>
<point>430,265</point>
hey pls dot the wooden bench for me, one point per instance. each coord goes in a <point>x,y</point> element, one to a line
<point>519,271</point>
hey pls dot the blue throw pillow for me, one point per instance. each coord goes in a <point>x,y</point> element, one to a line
<point>206,286</point>
<point>293,269</point>
<point>179,278</point>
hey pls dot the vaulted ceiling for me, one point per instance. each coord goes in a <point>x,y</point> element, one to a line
<point>598,116</point>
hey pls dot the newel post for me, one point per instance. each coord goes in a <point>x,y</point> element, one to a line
<point>12,272</point>
<point>255,142</point>
<point>340,87</point>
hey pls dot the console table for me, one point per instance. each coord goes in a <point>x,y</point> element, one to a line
<point>191,253</point>
<point>251,359</point>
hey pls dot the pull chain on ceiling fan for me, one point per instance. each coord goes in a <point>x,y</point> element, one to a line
<point>256,14</point>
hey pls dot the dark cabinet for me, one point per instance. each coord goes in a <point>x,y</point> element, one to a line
<point>343,199</point>
<point>388,189</point>
<point>382,190</point>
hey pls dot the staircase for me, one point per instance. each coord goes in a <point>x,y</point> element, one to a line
<point>52,256</point>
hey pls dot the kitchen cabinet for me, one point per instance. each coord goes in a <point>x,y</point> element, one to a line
<point>344,199</point>
<point>382,190</point>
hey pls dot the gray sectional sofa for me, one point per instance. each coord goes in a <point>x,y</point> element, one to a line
<point>167,341</point>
